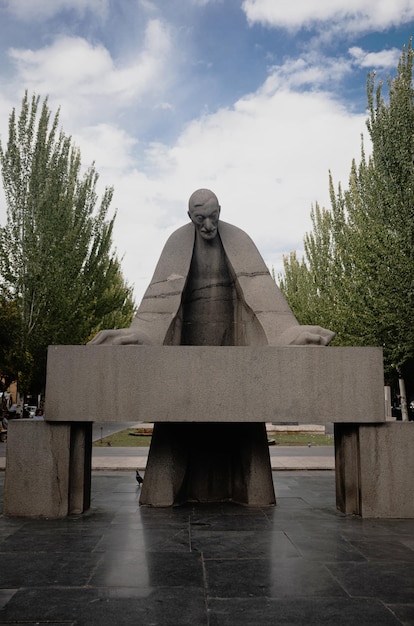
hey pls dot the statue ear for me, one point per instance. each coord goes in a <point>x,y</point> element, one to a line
<point>189,215</point>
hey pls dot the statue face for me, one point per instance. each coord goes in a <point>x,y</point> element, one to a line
<point>205,218</point>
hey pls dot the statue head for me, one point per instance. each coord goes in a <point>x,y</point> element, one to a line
<point>204,212</point>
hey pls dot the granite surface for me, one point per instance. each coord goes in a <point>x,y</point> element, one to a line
<point>214,565</point>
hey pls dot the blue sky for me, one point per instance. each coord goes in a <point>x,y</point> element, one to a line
<point>255,99</point>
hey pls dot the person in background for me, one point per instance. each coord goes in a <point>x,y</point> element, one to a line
<point>39,415</point>
<point>5,420</point>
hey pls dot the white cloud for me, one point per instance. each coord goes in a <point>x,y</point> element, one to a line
<point>86,78</point>
<point>382,59</point>
<point>28,10</point>
<point>147,5</point>
<point>202,3</point>
<point>353,15</point>
<point>106,145</point>
<point>69,63</point>
<point>312,71</point>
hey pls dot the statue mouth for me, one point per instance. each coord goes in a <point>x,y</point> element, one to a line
<point>208,234</point>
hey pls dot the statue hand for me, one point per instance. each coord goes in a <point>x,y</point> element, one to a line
<point>120,337</point>
<point>306,336</point>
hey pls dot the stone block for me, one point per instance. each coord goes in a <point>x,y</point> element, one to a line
<point>37,469</point>
<point>300,384</point>
<point>374,466</point>
<point>48,469</point>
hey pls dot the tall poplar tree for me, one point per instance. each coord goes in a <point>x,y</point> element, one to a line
<point>359,260</point>
<point>57,266</point>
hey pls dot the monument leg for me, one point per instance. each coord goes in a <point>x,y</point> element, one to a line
<point>347,469</point>
<point>80,467</point>
<point>208,462</point>
<point>375,469</point>
<point>37,464</point>
<point>48,469</point>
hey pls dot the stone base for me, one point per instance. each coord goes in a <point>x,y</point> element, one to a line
<point>205,462</point>
<point>375,469</point>
<point>48,469</point>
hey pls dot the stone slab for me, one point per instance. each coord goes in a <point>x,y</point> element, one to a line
<point>309,385</point>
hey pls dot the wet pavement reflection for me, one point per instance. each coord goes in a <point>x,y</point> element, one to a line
<point>301,562</point>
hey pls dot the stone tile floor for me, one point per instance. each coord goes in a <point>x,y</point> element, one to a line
<point>301,562</point>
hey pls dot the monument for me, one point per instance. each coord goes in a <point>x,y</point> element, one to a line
<point>211,288</point>
<point>213,353</point>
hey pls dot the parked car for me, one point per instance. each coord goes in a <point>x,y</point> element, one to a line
<point>29,410</point>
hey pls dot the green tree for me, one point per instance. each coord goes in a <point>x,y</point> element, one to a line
<point>9,329</point>
<point>358,269</point>
<point>57,267</point>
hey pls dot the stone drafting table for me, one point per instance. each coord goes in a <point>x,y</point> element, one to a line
<point>305,384</point>
<point>195,396</point>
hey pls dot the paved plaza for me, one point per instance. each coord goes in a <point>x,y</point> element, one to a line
<point>301,562</point>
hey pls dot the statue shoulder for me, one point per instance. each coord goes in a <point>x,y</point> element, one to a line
<point>230,229</point>
<point>184,234</point>
<point>176,254</point>
<point>240,248</point>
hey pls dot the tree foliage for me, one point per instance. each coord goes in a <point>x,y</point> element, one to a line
<point>58,273</point>
<point>357,276</point>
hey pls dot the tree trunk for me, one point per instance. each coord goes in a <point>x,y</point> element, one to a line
<point>403,400</point>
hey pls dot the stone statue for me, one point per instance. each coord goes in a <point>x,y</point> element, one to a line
<point>211,287</point>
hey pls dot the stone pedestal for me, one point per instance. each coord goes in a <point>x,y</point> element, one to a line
<point>374,467</point>
<point>209,405</point>
<point>47,469</point>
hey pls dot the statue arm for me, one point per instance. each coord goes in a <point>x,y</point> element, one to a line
<point>120,337</point>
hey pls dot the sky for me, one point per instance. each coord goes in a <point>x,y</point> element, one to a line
<point>257,100</point>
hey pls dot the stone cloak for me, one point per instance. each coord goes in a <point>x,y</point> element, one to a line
<point>264,312</point>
